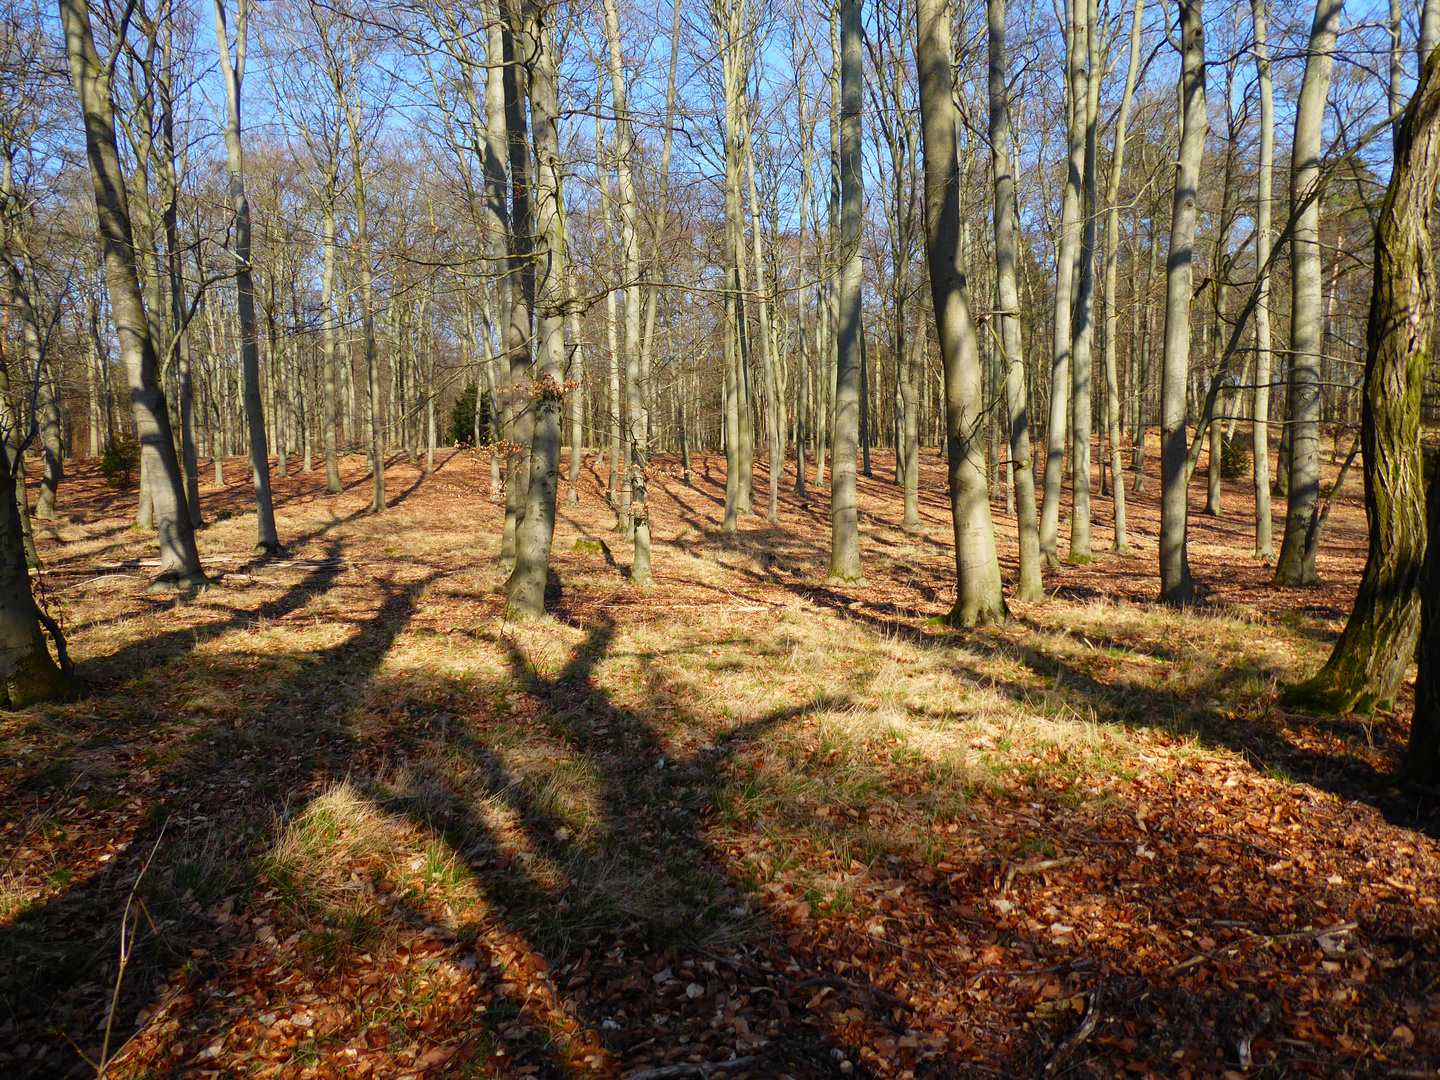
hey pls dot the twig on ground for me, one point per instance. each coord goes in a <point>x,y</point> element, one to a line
<point>127,946</point>
<point>1268,939</point>
<point>837,983</point>
<point>1079,1035</point>
<point>687,1070</point>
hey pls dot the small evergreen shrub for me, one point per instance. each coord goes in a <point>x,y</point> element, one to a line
<point>120,462</point>
<point>462,418</point>
<point>1234,459</point>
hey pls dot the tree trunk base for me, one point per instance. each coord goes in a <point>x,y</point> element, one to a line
<point>964,617</point>
<point>1323,695</point>
<point>37,679</point>
<point>178,581</point>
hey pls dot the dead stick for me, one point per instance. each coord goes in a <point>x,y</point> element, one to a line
<point>1078,1036</point>
<point>837,983</point>
<point>701,1069</point>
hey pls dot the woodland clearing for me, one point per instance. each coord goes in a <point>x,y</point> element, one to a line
<point>371,830</point>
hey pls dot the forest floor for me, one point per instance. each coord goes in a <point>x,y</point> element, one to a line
<point>353,824</point>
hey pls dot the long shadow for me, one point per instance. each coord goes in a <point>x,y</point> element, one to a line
<point>51,953</point>
<point>639,881</point>
<point>1129,701</point>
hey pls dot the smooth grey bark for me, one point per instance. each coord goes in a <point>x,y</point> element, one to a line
<point>638,449</point>
<point>1264,545</point>
<point>768,361</point>
<point>1296,563</point>
<point>234,74</point>
<point>574,379</point>
<point>978,595</point>
<point>1029,588</point>
<point>14,438</point>
<point>535,531</point>
<point>169,170</point>
<point>618,493</point>
<point>179,559</point>
<point>1221,270</point>
<point>1083,324</point>
<point>1067,251</point>
<point>1146,361</point>
<point>52,448</point>
<point>844,511</point>
<point>1121,542</point>
<point>1176,585</point>
<point>728,19</point>
<point>979,599</point>
<point>327,339</point>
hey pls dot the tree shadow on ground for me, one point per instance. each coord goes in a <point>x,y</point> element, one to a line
<point>1271,738</point>
<point>642,881</point>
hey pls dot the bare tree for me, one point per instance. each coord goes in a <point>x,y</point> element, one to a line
<point>1009,340</point>
<point>844,510</point>
<point>179,559</point>
<point>978,596</point>
<point>1296,565</point>
<point>535,531</point>
<point>1368,664</point>
<point>1176,586</point>
<point>234,73</point>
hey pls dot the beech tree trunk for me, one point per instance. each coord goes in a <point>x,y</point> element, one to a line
<point>1264,545</point>
<point>179,559</point>
<point>1368,664</point>
<point>1176,586</point>
<point>535,531</point>
<point>1112,264</point>
<point>637,449</point>
<point>1296,565</point>
<point>1086,89</point>
<point>266,538</point>
<point>27,671</point>
<point>844,511</point>
<point>1029,587</point>
<point>1062,340</point>
<point>978,596</point>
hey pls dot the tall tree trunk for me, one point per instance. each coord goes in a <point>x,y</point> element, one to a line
<point>1147,364</point>
<point>1264,545</point>
<point>728,17</point>
<point>535,531</point>
<point>1083,325</point>
<point>978,596</point>
<point>519,408</point>
<point>1112,264</point>
<point>1296,565</point>
<point>638,449</point>
<point>179,559</point>
<point>1065,263</point>
<point>844,511</point>
<point>27,672</point>
<point>1368,664</point>
<point>266,538</point>
<point>1221,270</point>
<point>327,340</point>
<point>1029,587</point>
<point>1176,586</point>
<point>774,411</point>
<point>575,378</point>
